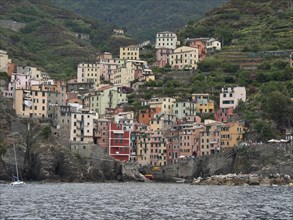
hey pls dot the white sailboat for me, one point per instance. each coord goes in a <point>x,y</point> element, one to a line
<point>17,182</point>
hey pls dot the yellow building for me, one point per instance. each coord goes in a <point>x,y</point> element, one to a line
<point>31,103</point>
<point>37,101</point>
<point>231,134</point>
<point>129,53</point>
<point>184,58</point>
<point>210,137</point>
<point>203,103</point>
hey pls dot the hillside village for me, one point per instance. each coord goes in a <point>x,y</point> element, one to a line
<point>92,110</point>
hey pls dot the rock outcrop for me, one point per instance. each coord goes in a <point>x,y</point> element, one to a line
<point>243,179</point>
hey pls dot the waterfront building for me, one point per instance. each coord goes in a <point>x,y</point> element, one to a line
<point>119,142</point>
<point>82,126</point>
<point>101,133</point>
<point>231,134</point>
<point>158,152</point>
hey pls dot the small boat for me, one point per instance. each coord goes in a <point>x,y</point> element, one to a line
<point>17,182</point>
<point>180,181</point>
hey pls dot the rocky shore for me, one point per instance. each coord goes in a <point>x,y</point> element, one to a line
<point>244,179</point>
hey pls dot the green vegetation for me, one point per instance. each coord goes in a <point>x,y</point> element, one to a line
<point>250,25</point>
<point>48,40</point>
<point>141,19</point>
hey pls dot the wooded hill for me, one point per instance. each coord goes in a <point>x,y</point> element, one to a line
<point>142,19</point>
<point>52,37</point>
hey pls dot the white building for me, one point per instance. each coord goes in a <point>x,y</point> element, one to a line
<point>166,39</point>
<point>212,45</point>
<point>131,70</point>
<point>183,109</point>
<point>88,73</point>
<point>82,126</point>
<point>229,97</point>
<point>33,72</point>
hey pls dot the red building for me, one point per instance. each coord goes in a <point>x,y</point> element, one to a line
<point>145,116</point>
<point>119,142</point>
<point>101,133</point>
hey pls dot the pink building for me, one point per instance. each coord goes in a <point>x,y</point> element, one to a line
<point>201,46</point>
<point>158,154</point>
<point>172,146</point>
<point>224,114</point>
<point>107,65</point>
<point>162,56</point>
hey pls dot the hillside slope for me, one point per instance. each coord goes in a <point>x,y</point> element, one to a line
<point>250,25</point>
<point>142,19</point>
<point>50,39</point>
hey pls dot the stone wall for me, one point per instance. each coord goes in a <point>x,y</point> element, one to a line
<point>12,25</point>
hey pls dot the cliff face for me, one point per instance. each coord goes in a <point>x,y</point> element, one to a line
<point>41,157</point>
<point>262,159</point>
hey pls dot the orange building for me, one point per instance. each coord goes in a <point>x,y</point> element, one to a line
<point>145,116</point>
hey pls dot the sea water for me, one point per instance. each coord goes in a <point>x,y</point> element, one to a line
<point>144,201</point>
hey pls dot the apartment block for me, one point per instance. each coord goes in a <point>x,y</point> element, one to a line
<point>82,126</point>
<point>229,97</point>
<point>162,56</point>
<point>210,139</point>
<point>119,142</point>
<point>101,133</point>
<point>183,109</point>
<point>231,134</point>
<point>184,58</point>
<point>166,39</point>
<point>165,103</point>
<point>203,103</point>
<point>88,73</point>
<point>129,53</point>
<point>144,116</point>
<point>104,98</point>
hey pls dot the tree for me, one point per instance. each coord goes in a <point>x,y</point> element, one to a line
<point>277,106</point>
<point>264,130</point>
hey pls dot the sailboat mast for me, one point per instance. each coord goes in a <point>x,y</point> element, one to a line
<point>15,162</point>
